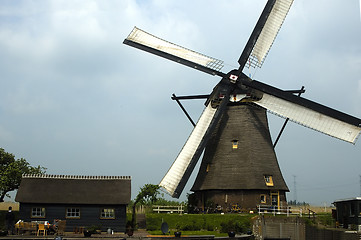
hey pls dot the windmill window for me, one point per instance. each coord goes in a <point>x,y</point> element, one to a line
<point>207,169</point>
<point>268,180</point>
<point>263,198</point>
<point>234,144</point>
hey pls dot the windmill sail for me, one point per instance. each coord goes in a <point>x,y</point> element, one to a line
<point>264,33</point>
<point>307,113</point>
<point>173,178</point>
<point>150,43</point>
<point>311,118</point>
<point>269,32</point>
<point>178,174</point>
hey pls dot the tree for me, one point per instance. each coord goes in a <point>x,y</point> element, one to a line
<point>147,194</point>
<point>11,171</point>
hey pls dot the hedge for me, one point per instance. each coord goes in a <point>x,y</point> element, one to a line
<point>198,222</point>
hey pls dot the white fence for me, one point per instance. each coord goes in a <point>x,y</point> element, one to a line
<point>275,210</point>
<point>168,209</point>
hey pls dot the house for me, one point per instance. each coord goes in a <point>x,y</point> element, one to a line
<point>80,200</point>
<point>348,212</point>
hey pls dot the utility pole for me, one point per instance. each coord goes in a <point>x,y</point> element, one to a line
<point>295,190</point>
<point>360,175</point>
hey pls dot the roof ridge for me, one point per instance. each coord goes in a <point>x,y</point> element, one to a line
<point>54,176</point>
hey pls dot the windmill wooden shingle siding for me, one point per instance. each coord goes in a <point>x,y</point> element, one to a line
<point>237,174</point>
<point>80,200</point>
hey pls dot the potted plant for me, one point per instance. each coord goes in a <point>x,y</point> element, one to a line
<point>87,233</point>
<point>92,230</point>
<point>129,229</point>
<point>177,233</point>
<point>231,234</point>
<point>3,233</point>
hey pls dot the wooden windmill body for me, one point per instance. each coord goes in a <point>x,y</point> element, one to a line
<point>239,165</point>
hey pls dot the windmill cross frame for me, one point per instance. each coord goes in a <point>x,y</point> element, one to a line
<point>206,96</point>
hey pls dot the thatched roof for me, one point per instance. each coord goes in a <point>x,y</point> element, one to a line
<point>243,168</point>
<point>65,189</point>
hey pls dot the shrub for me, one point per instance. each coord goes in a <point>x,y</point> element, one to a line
<point>198,222</point>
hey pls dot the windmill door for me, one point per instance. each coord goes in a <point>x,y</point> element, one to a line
<point>274,199</point>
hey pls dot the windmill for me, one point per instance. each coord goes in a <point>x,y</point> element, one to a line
<point>239,163</point>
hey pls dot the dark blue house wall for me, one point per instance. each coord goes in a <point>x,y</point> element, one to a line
<point>349,212</point>
<point>89,215</point>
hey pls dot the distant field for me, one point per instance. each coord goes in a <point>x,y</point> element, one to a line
<point>317,209</point>
<point>6,205</point>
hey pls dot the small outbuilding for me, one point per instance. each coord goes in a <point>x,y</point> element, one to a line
<point>348,212</point>
<point>82,201</point>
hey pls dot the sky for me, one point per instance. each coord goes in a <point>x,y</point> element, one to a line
<point>76,100</point>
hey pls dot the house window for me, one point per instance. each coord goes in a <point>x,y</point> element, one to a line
<point>72,213</point>
<point>234,144</point>
<point>38,212</point>
<point>107,213</point>
<point>268,180</point>
<point>263,198</point>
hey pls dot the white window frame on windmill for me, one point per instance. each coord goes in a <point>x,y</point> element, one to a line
<point>234,144</point>
<point>268,180</point>
<point>263,198</point>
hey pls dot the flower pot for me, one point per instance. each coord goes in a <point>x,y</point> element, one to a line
<point>231,234</point>
<point>87,233</point>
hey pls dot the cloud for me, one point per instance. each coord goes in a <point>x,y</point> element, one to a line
<point>77,101</point>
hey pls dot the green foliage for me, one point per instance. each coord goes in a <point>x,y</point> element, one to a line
<point>164,202</point>
<point>239,225</point>
<point>191,203</point>
<point>295,203</point>
<point>200,222</point>
<point>12,170</point>
<point>148,194</point>
<point>320,219</point>
<point>93,228</point>
<point>2,218</point>
<point>325,219</point>
<point>190,233</point>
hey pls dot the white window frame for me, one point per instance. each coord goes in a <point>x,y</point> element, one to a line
<point>38,212</point>
<point>72,212</point>
<point>107,213</point>
<point>263,198</point>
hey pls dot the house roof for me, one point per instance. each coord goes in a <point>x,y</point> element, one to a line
<point>66,189</point>
<point>348,199</point>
